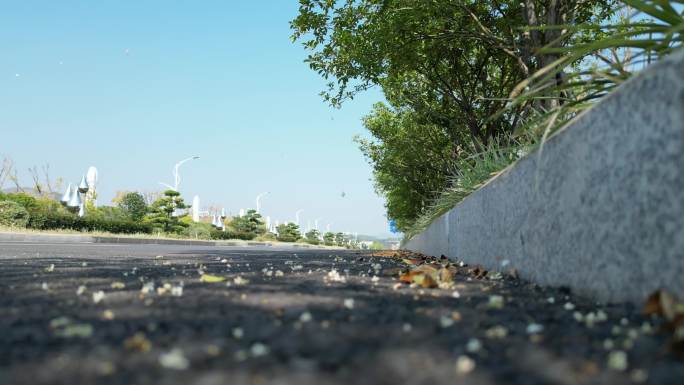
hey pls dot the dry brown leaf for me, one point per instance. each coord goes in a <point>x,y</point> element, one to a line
<point>412,261</point>
<point>661,303</point>
<point>478,272</point>
<point>424,280</point>
<point>666,305</point>
<point>446,278</point>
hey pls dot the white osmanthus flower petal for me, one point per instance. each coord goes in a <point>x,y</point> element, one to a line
<point>474,345</point>
<point>495,302</point>
<point>617,360</point>
<point>534,328</point>
<point>349,303</point>
<point>259,349</point>
<point>174,359</point>
<point>98,296</point>
<point>464,365</point>
<point>305,317</point>
<point>445,321</point>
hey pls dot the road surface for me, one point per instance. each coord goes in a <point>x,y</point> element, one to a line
<point>142,314</point>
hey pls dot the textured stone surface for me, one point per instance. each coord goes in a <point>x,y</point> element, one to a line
<point>600,209</point>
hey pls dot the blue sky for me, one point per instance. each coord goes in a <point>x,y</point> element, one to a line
<point>133,86</point>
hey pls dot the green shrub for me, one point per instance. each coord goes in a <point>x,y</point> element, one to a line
<point>133,205</point>
<point>38,208</point>
<point>73,222</point>
<point>13,214</point>
<point>288,232</point>
<point>329,238</point>
<point>312,237</point>
<point>267,237</point>
<point>199,230</point>
<point>251,222</point>
<point>230,234</point>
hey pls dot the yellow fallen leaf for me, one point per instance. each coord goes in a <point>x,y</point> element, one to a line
<point>211,278</point>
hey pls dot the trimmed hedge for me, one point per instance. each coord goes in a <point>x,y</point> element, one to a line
<point>38,208</point>
<point>73,222</point>
<point>226,235</point>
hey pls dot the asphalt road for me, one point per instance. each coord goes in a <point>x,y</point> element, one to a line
<point>140,314</point>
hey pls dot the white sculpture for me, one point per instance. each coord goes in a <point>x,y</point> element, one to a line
<point>196,209</point>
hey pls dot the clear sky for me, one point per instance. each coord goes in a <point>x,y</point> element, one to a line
<point>133,86</point>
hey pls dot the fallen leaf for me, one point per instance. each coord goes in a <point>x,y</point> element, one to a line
<point>138,343</point>
<point>211,278</point>
<point>413,262</point>
<point>65,328</point>
<point>666,305</point>
<point>661,303</point>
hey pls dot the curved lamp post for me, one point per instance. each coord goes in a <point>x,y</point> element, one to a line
<point>176,174</point>
<point>258,201</point>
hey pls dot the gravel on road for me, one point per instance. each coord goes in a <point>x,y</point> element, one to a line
<point>210,315</point>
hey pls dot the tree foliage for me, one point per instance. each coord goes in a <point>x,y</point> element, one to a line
<point>446,69</point>
<point>13,214</point>
<point>329,238</point>
<point>288,232</point>
<point>340,239</point>
<point>134,206</point>
<point>164,212</point>
<point>251,222</point>
<point>313,237</point>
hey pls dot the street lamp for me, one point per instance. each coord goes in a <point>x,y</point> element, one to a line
<point>297,216</point>
<point>176,174</point>
<point>258,200</point>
